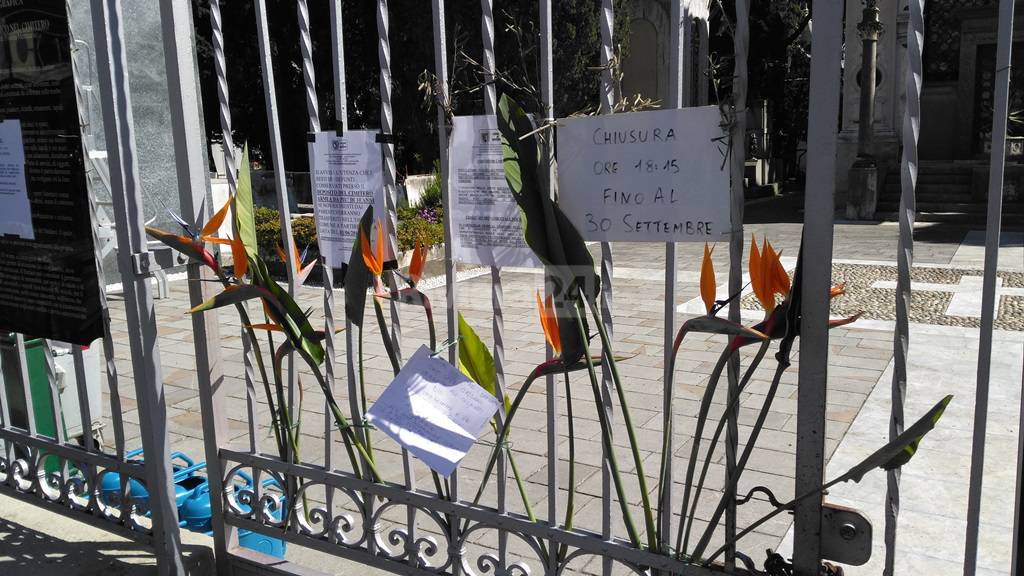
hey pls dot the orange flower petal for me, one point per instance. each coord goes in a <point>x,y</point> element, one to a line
<point>380,245</point>
<point>240,258</point>
<point>214,223</point>
<point>419,254</point>
<point>549,324</point>
<point>754,269</point>
<point>368,257</point>
<point>280,253</point>
<point>555,335</point>
<point>779,278</point>
<point>708,286</point>
<point>837,290</point>
<point>270,327</point>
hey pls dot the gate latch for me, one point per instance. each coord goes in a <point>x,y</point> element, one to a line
<point>845,535</point>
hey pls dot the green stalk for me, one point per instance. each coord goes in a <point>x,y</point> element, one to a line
<point>243,315</point>
<point>389,346</point>
<point>785,507</point>
<point>702,417</point>
<point>606,345</point>
<point>718,432</point>
<point>606,436</point>
<point>350,439</point>
<point>362,393</point>
<point>570,503</point>
<point>741,464</point>
<point>503,435</point>
<point>520,485</point>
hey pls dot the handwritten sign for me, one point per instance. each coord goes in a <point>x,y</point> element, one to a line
<point>653,176</point>
<point>434,411</point>
<point>484,213</point>
<point>346,177</point>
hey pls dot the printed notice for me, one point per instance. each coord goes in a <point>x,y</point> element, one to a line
<point>484,213</point>
<point>346,178</point>
<point>15,208</point>
<point>49,284</point>
<point>653,176</point>
<point>434,411</point>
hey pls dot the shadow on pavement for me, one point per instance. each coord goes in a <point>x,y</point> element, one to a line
<point>25,551</point>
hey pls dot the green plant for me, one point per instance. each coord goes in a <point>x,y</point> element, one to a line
<point>250,280</point>
<point>268,231</point>
<point>431,197</point>
<point>415,228</point>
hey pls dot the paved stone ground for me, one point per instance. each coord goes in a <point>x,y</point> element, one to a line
<point>860,357</point>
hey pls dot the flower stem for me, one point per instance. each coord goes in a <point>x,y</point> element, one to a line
<point>718,433</point>
<point>702,418</point>
<point>606,437</point>
<point>741,464</point>
<point>606,345</point>
<point>570,503</point>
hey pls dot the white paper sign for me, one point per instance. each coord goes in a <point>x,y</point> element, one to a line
<point>484,213</point>
<point>15,209</point>
<point>346,176</point>
<point>434,411</point>
<point>653,176</point>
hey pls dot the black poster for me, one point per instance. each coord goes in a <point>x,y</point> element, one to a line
<point>48,277</point>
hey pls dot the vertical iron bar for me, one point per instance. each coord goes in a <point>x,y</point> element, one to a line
<point>548,177</point>
<point>737,157</point>
<point>338,63</point>
<point>228,142</point>
<point>388,149</point>
<point>341,123</point>
<point>819,207</point>
<point>141,318</point>
<point>680,40</point>
<point>85,411</point>
<point>277,155</point>
<point>51,379</point>
<point>497,291</point>
<point>441,92</point>
<point>193,188</point>
<point>26,386</point>
<point>607,106</point>
<point>904,263</point>
<point>993,222</point>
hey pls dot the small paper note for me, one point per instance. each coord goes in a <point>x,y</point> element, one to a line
<point>434,411</point>
<point>15,208</point>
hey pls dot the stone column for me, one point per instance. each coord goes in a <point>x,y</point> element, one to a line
<point>863,192</point>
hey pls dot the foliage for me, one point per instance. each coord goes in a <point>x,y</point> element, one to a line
<point>268,231</point>
<point>431,199</point>
<point>416,228</point>
<point>576,45</point>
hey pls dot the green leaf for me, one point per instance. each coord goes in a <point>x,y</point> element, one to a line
<point>245,221</point>
<point>357,276</point>
<point>289,315</point>
<point>902,448</point>
<point>475,359</point>
<point>546,229</point>
<point>231,295</point>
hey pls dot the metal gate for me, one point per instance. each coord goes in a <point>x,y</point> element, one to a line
<point>406,526</point>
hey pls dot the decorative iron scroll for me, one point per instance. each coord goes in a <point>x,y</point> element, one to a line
<point>93,487</point>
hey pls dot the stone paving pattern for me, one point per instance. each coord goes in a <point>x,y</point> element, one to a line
<point>858,360</point>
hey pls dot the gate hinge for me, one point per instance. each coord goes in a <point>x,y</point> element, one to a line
<point>845,535</point>
<point>142,263</point>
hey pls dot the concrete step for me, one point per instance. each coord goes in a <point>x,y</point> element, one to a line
<point>924,196</point>
<point>966,208</point>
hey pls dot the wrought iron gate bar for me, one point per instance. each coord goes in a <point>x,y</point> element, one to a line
<point>581,539</point>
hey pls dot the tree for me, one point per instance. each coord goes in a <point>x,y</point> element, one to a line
<point>576,54</point>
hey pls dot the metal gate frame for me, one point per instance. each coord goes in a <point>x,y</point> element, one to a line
<point>62,491</point>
